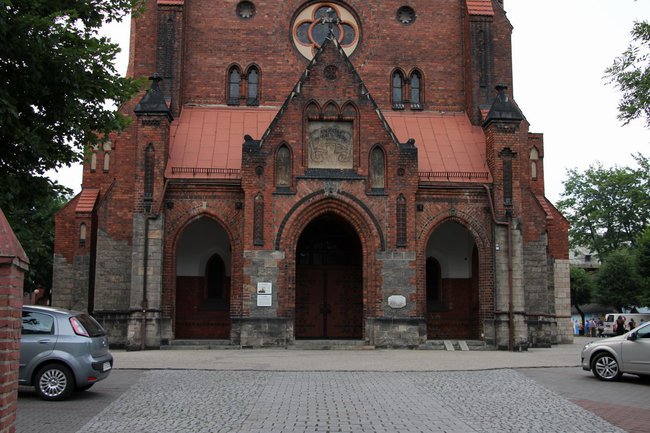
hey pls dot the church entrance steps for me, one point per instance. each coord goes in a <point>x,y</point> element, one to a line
<point>330,345</point>
<point>452,345</point>
<point>200,344</point>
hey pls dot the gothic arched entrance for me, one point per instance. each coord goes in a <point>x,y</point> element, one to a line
<point>452,275</point>
<point>329,281</point>
<point>203,262</point>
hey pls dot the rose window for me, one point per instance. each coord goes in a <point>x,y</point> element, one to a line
<point>312,25</point>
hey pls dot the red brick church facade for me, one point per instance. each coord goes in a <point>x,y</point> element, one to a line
<point>323,170</point>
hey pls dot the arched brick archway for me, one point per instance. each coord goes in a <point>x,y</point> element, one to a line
<point>459,296</point>
<point>356,271</point>
<point>199,274</point>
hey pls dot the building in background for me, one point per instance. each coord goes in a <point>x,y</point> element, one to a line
<point>319,170</point>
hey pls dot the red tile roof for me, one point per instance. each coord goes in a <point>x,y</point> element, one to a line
<point>545,205</point>
<point>206,142</point>
<point>480,7</point>
<point>87,200</point>
<point>449,146</point>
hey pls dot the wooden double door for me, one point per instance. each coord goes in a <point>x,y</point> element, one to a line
<point>329,302</point>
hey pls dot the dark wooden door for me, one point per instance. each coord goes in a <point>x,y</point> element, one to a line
<point>329,302</point>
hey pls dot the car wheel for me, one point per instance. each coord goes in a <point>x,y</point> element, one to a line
<point>54,382</point>
<point>605,367</point>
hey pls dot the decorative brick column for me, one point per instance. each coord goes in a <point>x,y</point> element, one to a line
<point>13,265</point>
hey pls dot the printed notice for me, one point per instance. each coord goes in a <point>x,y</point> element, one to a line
<point>264,300</point>
<point>264,288</point>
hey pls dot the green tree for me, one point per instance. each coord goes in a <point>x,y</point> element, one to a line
<point>582,287</point>
<point>607,208</point>
<point>643,264</point>
<point>57,85</point>
<point>618,282</point>
<point>35,199</point>
<point>630,73</point>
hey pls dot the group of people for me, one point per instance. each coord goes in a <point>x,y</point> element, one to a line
<point>594,327</point>
<point>619,326</point>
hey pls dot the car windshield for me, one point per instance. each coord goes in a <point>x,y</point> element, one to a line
<point>93,328</point>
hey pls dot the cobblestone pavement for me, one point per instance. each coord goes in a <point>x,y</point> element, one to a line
<point>335,401</point>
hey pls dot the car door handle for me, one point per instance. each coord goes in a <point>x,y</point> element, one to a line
<point>43,341</point>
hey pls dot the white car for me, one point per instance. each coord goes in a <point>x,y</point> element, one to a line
<point>609,358</point>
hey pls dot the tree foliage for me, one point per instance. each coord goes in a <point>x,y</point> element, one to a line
<point>643,264</point>
<point>630,73</point>
<point>56,77</point>
<point>607,208</point>
<point>57,83</point>
<point>618,283</point>
<point>582,287</point>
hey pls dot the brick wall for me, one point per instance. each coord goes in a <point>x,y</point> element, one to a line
<point>13,265</point>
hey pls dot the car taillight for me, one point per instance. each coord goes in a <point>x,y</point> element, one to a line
<point>78,327</point>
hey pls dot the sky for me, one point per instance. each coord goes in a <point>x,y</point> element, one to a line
<point>561,49</point>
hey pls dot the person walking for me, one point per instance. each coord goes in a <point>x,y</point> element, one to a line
<point>620,325</point>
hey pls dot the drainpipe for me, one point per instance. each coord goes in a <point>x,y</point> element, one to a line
<point>144,305</point>
<point>145,302</point>
<point>507,224</point>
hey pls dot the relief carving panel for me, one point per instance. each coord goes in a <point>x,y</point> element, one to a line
<point>329,145</point>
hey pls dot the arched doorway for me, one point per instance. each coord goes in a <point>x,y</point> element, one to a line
<point>203,263</point>
<point>451,280</point>
<point>329,282</point>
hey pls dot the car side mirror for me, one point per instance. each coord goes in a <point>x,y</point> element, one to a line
<point>632,336</point>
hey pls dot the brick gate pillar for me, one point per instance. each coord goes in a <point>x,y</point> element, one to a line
<point>13,265</point>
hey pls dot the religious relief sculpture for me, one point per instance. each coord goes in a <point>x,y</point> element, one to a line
<point>330,145</point>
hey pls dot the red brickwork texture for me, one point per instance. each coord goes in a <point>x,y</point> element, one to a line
<point>461,57</point>
<point>12,268</point>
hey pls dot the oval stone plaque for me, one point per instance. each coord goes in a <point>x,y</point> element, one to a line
<point>396,301</point>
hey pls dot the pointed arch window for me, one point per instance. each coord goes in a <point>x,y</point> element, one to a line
<point>398,90</point>
<point>415,84</point>
<point>258,220</point>
<point>83,234</point>
<point>283,167</point>
<point>377,169</point>
<point>401,221</point>
<point>534,157</point>
<point>107,156</point>
<point>93,159</point>
<point>252,86</point>
<point>234,83</point>
<point>149,161</point>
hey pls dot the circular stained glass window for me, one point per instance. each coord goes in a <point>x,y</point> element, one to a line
<point>312,26</point>
<point>245,10</point>
<point>406,15</point>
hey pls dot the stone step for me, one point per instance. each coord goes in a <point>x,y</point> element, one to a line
<point>201,344</point>
<point>330,345</point>
<point>451,345</point>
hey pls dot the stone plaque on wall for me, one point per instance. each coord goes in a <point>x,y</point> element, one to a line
<point>329,144</point>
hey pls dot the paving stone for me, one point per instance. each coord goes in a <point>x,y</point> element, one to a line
<point>377,402</point>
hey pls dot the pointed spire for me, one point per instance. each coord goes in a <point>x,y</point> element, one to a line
<point>503,109</point>
<point>153,102</point>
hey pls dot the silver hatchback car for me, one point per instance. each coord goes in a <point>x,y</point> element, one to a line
<point>61,351</point>
<point>609,358</point>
